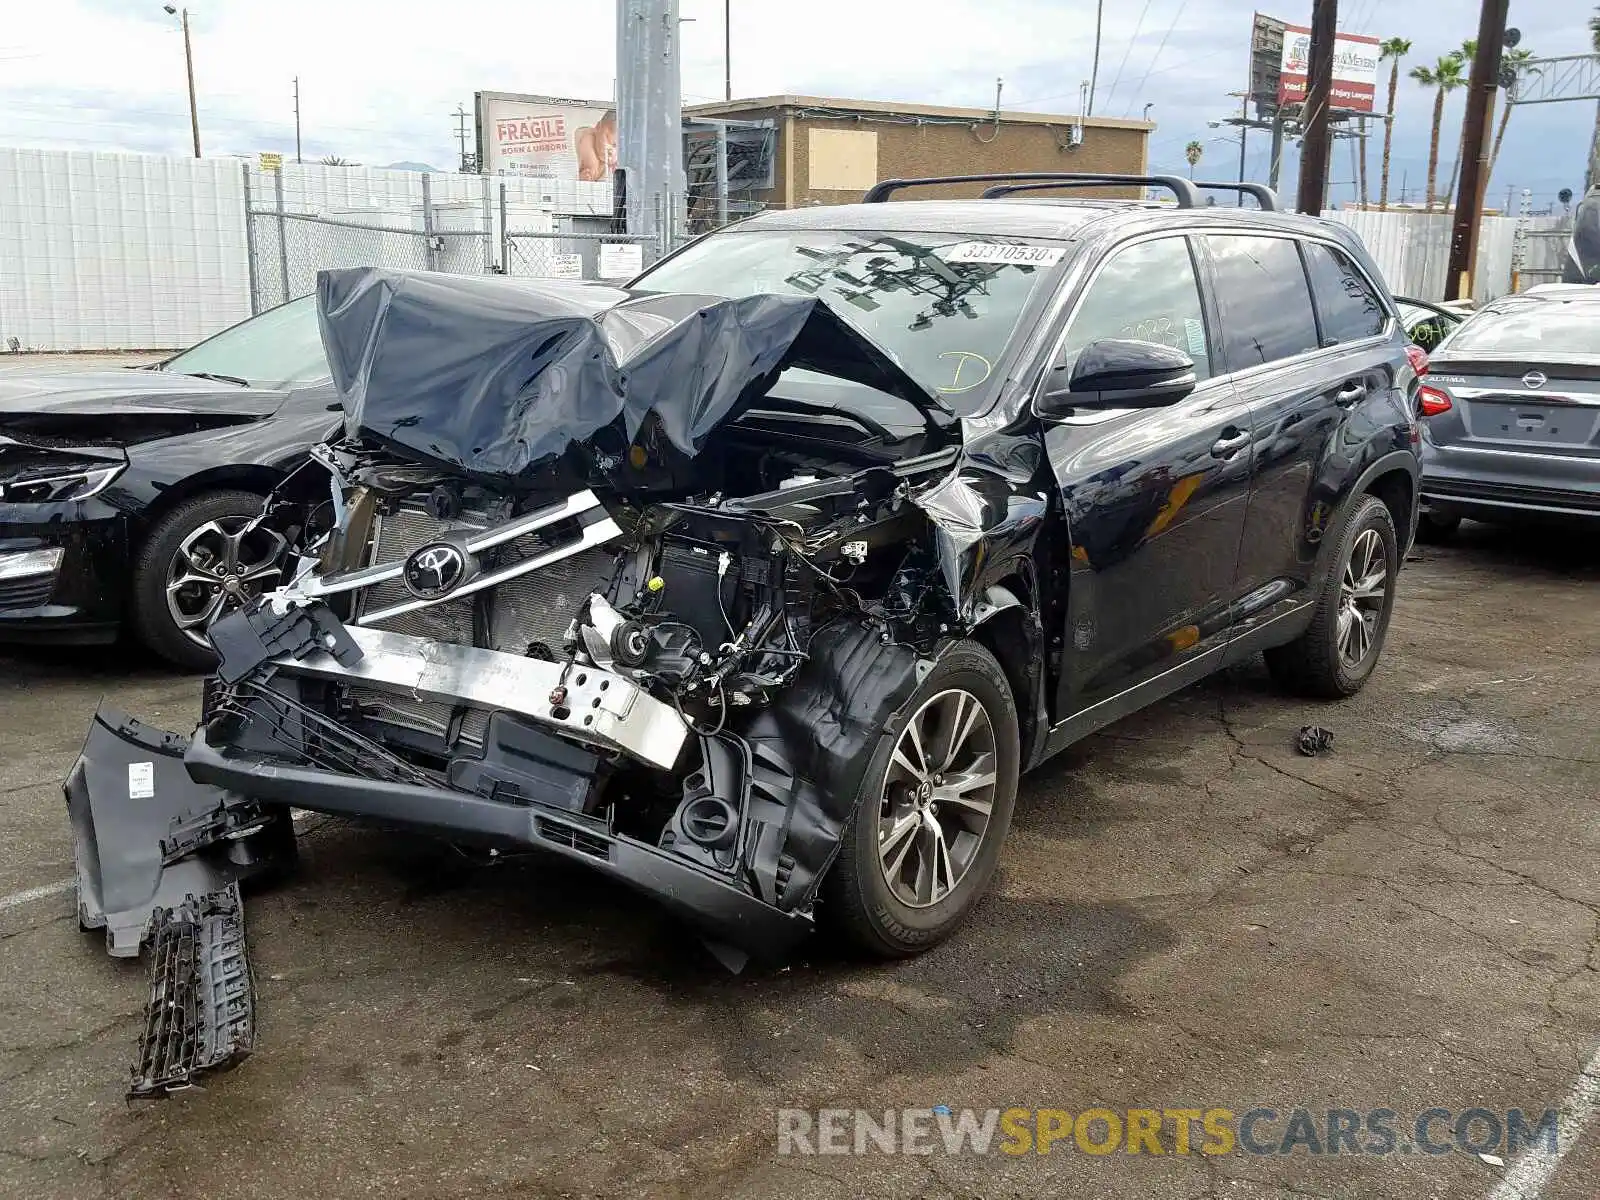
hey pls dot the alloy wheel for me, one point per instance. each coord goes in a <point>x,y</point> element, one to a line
<point>938,793</point>
<point>1361,598</point>
<point>218,568</point>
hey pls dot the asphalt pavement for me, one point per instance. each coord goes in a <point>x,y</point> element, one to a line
<point>1190,916</point>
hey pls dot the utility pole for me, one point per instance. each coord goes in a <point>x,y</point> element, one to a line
<point>1275,167</point>
<point>1361,174</point>
<point>468,166</point>
<point>1474,161</point>
<point>1094,69</point>
<point>727,49</point>
<point>650,118</point>
<point>188,63</point>
<point>1319,94</point>
<point>297,118</point>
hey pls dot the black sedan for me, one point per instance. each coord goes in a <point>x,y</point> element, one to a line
<point>126,495</point>
<point>1511,413</point>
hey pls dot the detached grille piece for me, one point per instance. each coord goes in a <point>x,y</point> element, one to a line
<point>201,1012</point>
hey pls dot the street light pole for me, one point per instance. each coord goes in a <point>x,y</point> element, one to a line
<point>188,62</point>
<point>1244,128</point>
<point>727,49</point>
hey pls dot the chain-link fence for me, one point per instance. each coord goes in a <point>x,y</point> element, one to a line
<point>570,255</point>
<point>287,248</point>
<point>465,233</point>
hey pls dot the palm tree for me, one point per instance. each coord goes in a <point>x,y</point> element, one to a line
<point>1192,152</point>
<point>1394,50</point>
<point>1594,29</point>
<point>1445,76</point>
<point>333,160</point>
<point>1515,59</point>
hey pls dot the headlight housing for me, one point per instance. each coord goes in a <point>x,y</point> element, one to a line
<point>47,483</point>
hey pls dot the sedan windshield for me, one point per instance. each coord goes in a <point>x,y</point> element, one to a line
<point>1542,329</point>
<point>942,305</point>
<point>278,348</point>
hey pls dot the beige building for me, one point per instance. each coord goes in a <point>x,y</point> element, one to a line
<point>829,151</point>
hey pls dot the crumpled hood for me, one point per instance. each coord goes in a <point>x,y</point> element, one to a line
<point>123,407</point>
<point>500,376</point>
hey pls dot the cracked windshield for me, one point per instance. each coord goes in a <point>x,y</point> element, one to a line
<point>943,305</point>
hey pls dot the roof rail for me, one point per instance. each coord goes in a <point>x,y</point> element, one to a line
<point>1181,188</point>
<point>1265,196</point>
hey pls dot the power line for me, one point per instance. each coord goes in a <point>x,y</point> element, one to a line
<point>1138,91</point>
<point>1137,28</point>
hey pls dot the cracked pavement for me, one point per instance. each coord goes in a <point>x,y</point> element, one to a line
<point>1190,914</point>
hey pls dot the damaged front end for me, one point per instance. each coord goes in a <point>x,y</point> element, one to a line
<point>570,588</point>
<point>673,693</point>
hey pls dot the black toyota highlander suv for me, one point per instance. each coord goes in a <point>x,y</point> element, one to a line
<point>756,583</point>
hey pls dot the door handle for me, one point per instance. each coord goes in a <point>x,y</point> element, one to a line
<point>1233,440</point>
<point>1351,395</point>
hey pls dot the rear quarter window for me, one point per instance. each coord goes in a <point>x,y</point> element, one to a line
<point>1348,304</point>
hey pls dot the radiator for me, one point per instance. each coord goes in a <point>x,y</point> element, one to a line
<point>533,608</point>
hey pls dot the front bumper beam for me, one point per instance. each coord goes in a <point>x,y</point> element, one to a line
<point>594,706</point>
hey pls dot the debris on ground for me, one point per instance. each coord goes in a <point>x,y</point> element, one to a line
<point>1314,740</point>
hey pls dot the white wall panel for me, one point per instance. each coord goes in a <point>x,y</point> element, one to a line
<point>106,251</point>
<point>118,251</point>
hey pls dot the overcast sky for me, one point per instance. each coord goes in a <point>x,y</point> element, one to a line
<point>380,78</point>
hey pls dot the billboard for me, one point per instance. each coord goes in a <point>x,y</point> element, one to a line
<point>546,137</point>
<point>1355,69</point>
<point>1266,59</point>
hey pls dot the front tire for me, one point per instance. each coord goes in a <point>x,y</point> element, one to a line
<point>933,810</point>
<point>1338,651</point>
<point>197,564</point>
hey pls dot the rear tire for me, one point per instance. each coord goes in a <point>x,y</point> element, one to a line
<point>967,700</point>
<point>1338,651</point>
<point>192,541</point>
<point>1435,529</point>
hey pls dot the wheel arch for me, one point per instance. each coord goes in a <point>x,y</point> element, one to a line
<point>1397,488</point>
<point>1009,627</point>
<point>235,477</point>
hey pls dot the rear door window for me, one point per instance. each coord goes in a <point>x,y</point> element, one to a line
<point>1264,299</point>
<point>1146,292</point>
<point>1349,307</point>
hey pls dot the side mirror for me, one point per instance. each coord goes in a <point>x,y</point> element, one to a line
<point>1117,373</point>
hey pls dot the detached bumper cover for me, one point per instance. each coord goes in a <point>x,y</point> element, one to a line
<point>706,900</point>
<point>146,836</point>
<point>160,820</point>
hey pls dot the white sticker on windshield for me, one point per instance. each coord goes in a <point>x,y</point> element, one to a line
<point>1003,252</point>
<point>1194,332</point>
<point>141,780</point>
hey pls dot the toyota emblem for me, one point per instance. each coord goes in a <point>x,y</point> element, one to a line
<point>434,570</point>
<point>1535,379</point>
